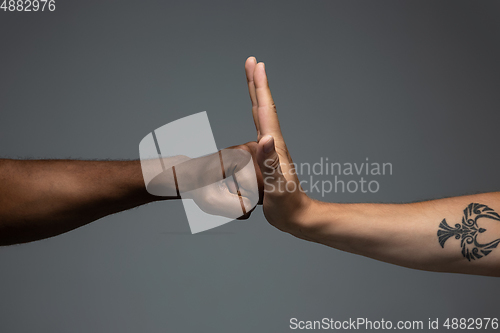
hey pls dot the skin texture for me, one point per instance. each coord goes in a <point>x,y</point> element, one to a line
<point>45,198</point>
<point>41,199</point>
<point>401,234</point>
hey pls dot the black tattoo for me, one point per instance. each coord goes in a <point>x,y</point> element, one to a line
<point>469,230</point>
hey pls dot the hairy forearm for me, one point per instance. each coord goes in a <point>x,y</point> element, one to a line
<point>407,234</point>
<point>44,198</point>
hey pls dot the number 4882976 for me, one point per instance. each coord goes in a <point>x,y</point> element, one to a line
<point>28,5</point>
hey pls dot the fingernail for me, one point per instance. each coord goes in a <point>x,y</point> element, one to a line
<point>268,144</point>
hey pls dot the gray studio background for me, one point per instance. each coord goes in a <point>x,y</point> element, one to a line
<point>413,83</point>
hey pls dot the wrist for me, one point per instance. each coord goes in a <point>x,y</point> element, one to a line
<point>319,218</point>
<point>170,182</point>
<point>137,186</point>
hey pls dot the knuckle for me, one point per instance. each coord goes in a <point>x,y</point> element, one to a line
<point>273,107</point>
<point>275,163</point>
<point>246,147</point>
<point>282,151</point>
<point>244,217</point>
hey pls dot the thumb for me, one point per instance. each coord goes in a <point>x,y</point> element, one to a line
<point>269,164</point>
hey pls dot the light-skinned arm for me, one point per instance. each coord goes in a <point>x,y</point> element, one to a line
<point>457,234</point>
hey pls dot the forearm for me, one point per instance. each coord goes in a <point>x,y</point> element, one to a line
<point>435,235</point>
<point>40,199</point>
<point>407,234</point>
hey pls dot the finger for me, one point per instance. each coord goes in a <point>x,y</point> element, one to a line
<point>217,200</point>
<point>234,206</point>
<point>266,109</point>
<point>249,70</point>
<point>247,215</point>
<point>269,163</point>
<point>229,208</point>
<point>268,120</point>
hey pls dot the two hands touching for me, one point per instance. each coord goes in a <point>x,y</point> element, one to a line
<point>278,188</point>
<point>285,204</point>
<point>410,235</point>
<point>44,198</point>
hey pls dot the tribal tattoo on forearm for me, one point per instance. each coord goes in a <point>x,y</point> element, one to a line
<point>468,231</point>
